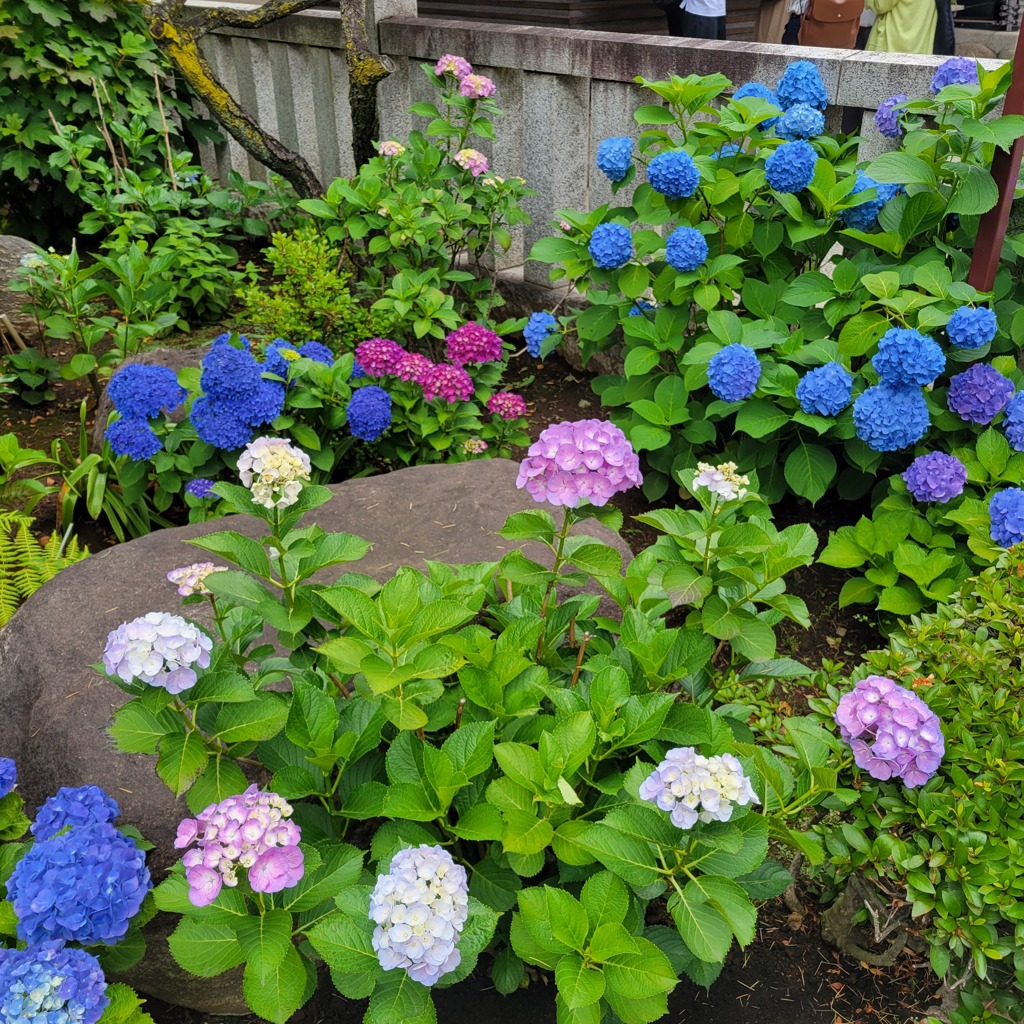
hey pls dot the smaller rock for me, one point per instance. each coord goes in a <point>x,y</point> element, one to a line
<point>12,249</point>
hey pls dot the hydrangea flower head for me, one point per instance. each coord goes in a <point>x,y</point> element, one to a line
<point>449,64</point>
<point>507,405</point>
<point>369,412</point>
<point>471,160</point>
<point>537,329</point>
<point>761,92</point>
<point>217,424</point>
<point>972,327</point>
<point>733,372</point>
<point>726,151</point>
<point>412,366</point>
<point>955,71</point>
<point>908,358</point>
<point>84,885</point>
<point>229,373</point>
<point>640,308</point>
<point>274,470</point>
<point>318,352</point>
<point>133,437</point>
<point>159,649</point>
<point>615,157</point>
<point>472,343</point>
<point>450,382</point>
<point>1013,421</point>
<point>51,984</point>
<point>686,249</point>
<point>77,806</point>
<point>892,732</point>
<point>936,477</point>
<point>390,148</point>
<point>476,87</point>
<point>692,788</point>
<point>276,357</point>
<point>419,908</point>
<point>674,174</point>
<point>888,418</point>
<point>250,831</point>
<point>474,446</point>
<point>8,776</point>
<point>977,394</point>
<point>826,390</point>
<point>379,356</point>
<point>800,121</point>
<point>864,216</point>
<point>887,116</point>
<point>611,246</point>
<point>801,83</point>
<point>1006,511</point>
<point>584,460</point>
<point>722,480</point>
<point>189,579</point>
<point>791,167</point>
<point>143,392</point>
<point>200,487</point>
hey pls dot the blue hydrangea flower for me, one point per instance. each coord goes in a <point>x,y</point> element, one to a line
<point>977,394</point>
<point>1013,421</point>
<point>263,406</point>
<point>826,390</point>
<point>317,352</point>
<point>801,83</point>
<point>800,122</point>
<point>638,308</point>
<point>537,329</point>
<point>83,886</point>
<point>864,216</point>
<point>134,438</point>
<point>51,984</point>
<point>908,358</point>
<point>369,412</point>
<point>791,167</point>
<point>611,246</point>
<point>8,776</point>
<point>273,361</point>
<point>229,373</point>
<point>887,116</point>
<point>936,477</point>
<point>225,339</point>
<point>972,328</point>
<point>761,92</point>
<point>143,392</point>
<point>673,174</point>
<point>81,805</point>
<point>955,71</point>
<point>888,418</point>
<point>733,373</point>
<point>686,249</point>
<point>729,149</point>
<point>1006,510</point>
<point>200,487</point>
<point>615,157</point>
<point>219,426</point>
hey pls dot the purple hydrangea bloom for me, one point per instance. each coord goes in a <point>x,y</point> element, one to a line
<point>887,116</point>
<point>51,984</point>
<point>801,83</point>
<point>972,327</point>
<point>891,731</point>
<point>791,167</point>
<point>452,383</point>
<point>159,649</point>
<point>81,805</point>
<point>537,329</point>
<point>585,460</point>
<point>143,392</point>
<point>936,477</point>
<point>379,356</point>
<point>1013,421</point>
<point>611,246</point>
<point>419,908</point>
<point>955,71</point>
<point>686,249</point>
<point>615,157</point>
<point>692,788</point>
<point>8,776</point>
<point>673,174</point>
<point>887,418</point>
<point>800,121</point>
<point>864,216</point>
<point>472,343</point>
<point>317,352</point>
<point>733,372</point>
<point>134,438</point>
<point>759,91</point>
<point>977,394</point>
<point>200,487</point>
<point>369,412</point>
<point>826,390</point>
<point>83,886</point>
<point>908,358</point>
<point>1006,510</point>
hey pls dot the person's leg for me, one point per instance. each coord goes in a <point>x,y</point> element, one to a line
<point>789,37</point>
<point>675,21</point>
<point>697,26</point>
<point>721,27</point>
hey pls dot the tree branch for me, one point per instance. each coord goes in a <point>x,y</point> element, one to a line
<point>225,17</point>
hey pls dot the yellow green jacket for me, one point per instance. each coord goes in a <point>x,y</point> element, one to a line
<point>903,26</point>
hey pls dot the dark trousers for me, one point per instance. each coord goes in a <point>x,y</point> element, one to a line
<point>695,26</point>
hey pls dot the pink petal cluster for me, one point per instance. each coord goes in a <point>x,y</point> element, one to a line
<point>391,148</point>
<point>189,579</point>
<point>472,343</point>
<point>474,446</point>
<point>449,64</point>
<point>249,831</point>
<point>471,160</point>
<point>451,383</point>
<point>585,460</point>
<point>379,356</point>
<point>507,405</point>
<point>476,87</point>
<point>414,367</point>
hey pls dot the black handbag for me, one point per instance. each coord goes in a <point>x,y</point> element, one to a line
<point>944,44</point>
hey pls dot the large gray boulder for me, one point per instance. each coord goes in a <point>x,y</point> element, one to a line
<point>55,708</point>
<point>12,250</point>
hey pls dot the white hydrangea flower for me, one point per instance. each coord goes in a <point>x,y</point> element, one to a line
<point>722,480</point>
<point>190,578</point>
<point>159,649</point>
<point>273,470</point>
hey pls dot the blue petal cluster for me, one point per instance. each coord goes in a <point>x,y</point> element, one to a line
<point>887,116</point>
<point>358,373</point>
<point>638,308</point>
<point>977,394</point>
<point>800,122</point>
<point>791,167</point>
<point>1013,423</point>
<point>229,373</point>
<point>729,149</point>
<point>761,92</point>
<point>225,339</point>
<point>369,412</point>
<point>615,157</point>
<point>888,418</point>
<point>143,392</point>
<point>936,477</point>
<point>273,361</point>
<point>864,216</point>
<point>81,805</point>
<point>673,174</point>
<point>1006,510</point>
<point>51,984</point>
<point>733,373</point>
<point>133,437</point>
<point>611,246</point>
<point>908,358</point>
<point>318,352</point>
<point>972,328</point>
<point>217,425</point>
<point>686,249</point>
<point>537,329</point>
<point>955,71</point>
<point>83,886</point>
<point>200,487</point>
<point>8,776</point>
<point>826,390</point>
<point>801,83</point>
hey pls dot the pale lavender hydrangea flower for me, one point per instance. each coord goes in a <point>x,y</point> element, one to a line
<point>420,907</point>
<point>692,788</point>
<point>891,731</point>
<point>189,579</point>
<point>585,460</point>
<point>449,64</point>
<point>722,480</point>
<point>159,649</point>
<point>274,471</point>
<point>476,87</point>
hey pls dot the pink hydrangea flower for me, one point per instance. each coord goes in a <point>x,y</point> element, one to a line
<point>474,446</point>
<point>472,343</point>
<point>449,64</point>
<point>190,578</point>
<point>415,367</point>
<point>451,383</point>
<point>391,148</point>
<point>476,87</point>
<point>471,160</point>
<point>379,356</point>
<point>277,869</point>
<point>507,405</point>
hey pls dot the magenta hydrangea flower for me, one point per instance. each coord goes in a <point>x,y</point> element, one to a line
<point>892,732</point>
<point>507,405</point>
<point>414,366</point>
<point>472,343</point>
<point>379,356</point>
<point>585,460</point>
<point>476,87</point>
<point>449,382</point>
